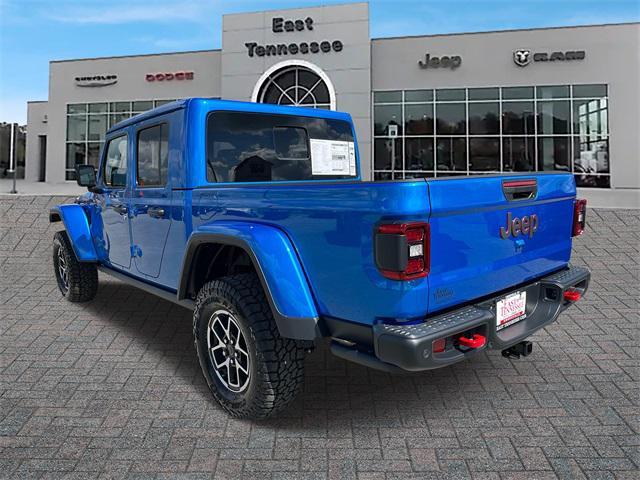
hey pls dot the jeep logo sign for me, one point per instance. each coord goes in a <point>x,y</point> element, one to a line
<point>526,225</point>
<point>452,62</point>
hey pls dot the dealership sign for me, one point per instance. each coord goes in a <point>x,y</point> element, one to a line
<point>446,61</point>
<point>168,76</point>
<point>281,25</point>
<point>523,57</point>
<point>96,80</point>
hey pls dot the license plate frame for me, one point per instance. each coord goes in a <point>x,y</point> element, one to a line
<point>511,309</point>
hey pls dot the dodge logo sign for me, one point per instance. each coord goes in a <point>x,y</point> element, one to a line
<point>522,57</point>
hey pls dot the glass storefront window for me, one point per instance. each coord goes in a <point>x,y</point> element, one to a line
<point>484,118</point>
<point>590,117</point>
<point>75,156</point>
<point>418,154</point>
<point>87,125</point>
<point>76,128</point>
<point>386,115</point>
<point>589,91</point>
<point>450,95</point>
<point>494,129</point>
<point>388,97</point>
<point>484,154</point>
<point>518,154</point>
<point>74,108</point>
<point>418,96</point>
<point>120,107</point>
<point>451,119</point>
<point>142,106</point>
<point>518,118</point>
<point>97,127</point>
<point>492,93</point>
<point>418,119</point>
<point>553,153</point>
<point>98,108</point>
<point>451,154</point>
<point>553,117</point>
<point>93,153</point>
<point>517,93</point>
<point>388,154</point>
<point>552,91</point>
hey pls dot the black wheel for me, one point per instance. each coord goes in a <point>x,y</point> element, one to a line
<point>251,370</point>
<point>77,281</point>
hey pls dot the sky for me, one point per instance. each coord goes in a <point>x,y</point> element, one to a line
<point>33,32</point>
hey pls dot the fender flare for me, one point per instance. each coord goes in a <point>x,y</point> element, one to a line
<point>76,224</point>
<point>277,265</point>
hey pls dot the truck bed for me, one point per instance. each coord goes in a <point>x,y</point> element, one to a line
<point>332,226</point>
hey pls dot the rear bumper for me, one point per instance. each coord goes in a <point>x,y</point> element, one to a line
<point>410,347</point>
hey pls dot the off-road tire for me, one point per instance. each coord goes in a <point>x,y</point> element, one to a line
<point>82,277</point>
<point>276,364</point>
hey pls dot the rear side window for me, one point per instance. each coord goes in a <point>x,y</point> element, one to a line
<point>256,147</point>
<point>115,165</point>
<point>152,156</point>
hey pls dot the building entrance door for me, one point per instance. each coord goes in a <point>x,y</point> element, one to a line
<point>42,141</point>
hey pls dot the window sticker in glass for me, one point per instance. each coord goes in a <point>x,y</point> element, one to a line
<point>330,157</point>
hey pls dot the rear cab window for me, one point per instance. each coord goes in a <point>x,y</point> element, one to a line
<point>258,147</point>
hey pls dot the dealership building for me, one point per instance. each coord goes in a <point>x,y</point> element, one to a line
<point>564,99</point>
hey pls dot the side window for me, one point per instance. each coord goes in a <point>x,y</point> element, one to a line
<point>115,165</point>
<point>152,156</point>
<point>258,147</point>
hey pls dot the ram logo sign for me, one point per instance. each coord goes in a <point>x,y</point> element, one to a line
<point>522,57</point>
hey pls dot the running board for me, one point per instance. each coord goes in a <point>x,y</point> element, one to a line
<point>159,292</point>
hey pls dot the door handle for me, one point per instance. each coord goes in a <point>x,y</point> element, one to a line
<point>120,209</point>
<point>156,212</point>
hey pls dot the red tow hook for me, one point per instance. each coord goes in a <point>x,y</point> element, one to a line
<point>571,295</point>
<point>476,341</point>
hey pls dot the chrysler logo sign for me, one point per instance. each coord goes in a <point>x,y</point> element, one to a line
<point>96,80</point>
<point>523,57</point>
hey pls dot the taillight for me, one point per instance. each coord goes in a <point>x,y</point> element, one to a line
<point>402,250</point>
<point>579,216</point>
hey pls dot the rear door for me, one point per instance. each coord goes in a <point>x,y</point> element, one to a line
<point>492,233</point>
<point>151,197</point>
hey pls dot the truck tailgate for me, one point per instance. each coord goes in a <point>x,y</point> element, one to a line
<point>474,248</point>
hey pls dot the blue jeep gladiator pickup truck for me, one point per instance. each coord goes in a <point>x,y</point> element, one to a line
<point>255,216</point>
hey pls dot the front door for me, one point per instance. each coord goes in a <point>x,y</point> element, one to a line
<point>151,198</point>
<point>116,239</point>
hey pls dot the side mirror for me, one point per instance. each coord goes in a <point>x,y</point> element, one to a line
<point>86,175</point>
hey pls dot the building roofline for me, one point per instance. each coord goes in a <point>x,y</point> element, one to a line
<point>37,101</point>
<point>133,56</point>
<point>511,30</point>
<point>343,4</point>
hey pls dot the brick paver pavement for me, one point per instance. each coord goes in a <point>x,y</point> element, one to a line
<point>112,389</point>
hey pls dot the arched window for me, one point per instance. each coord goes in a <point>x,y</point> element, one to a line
<point>298,84</point>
